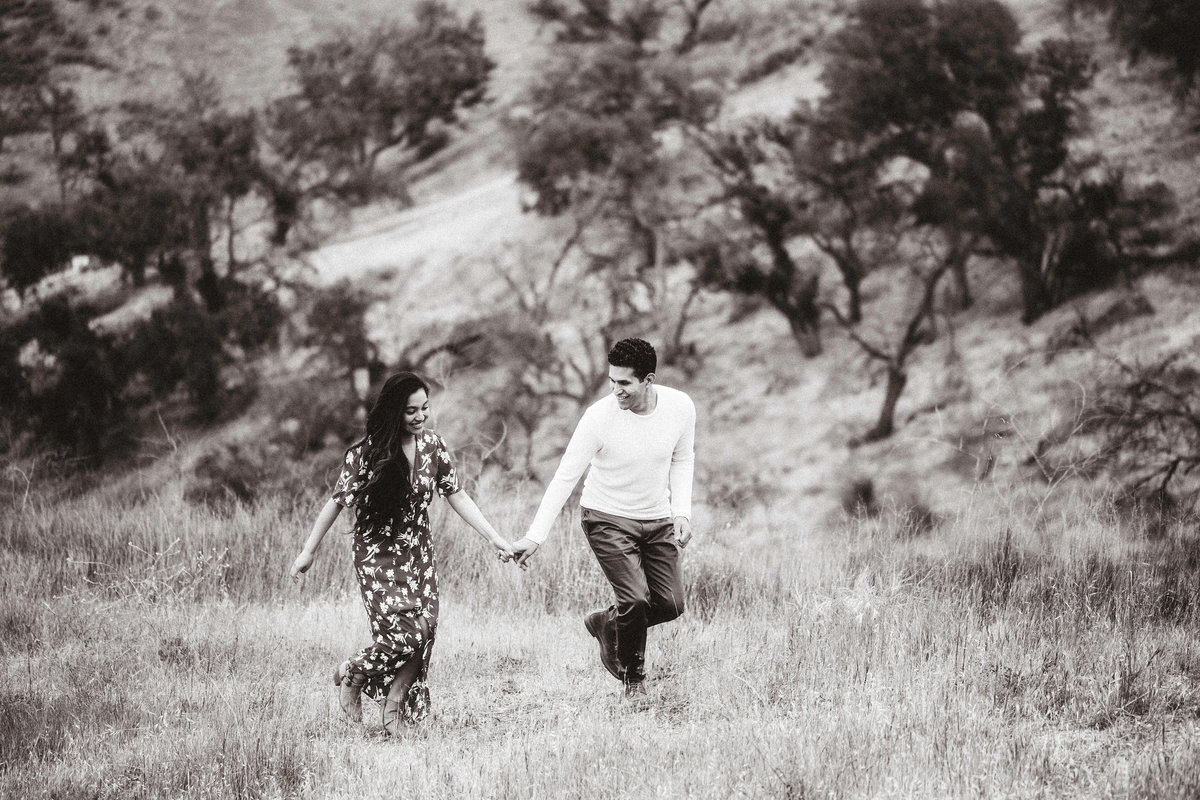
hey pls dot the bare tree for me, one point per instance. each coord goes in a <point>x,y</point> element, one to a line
<point>898,338</point>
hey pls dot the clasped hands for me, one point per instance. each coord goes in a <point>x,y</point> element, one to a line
<point>518,551</point>
<point>523,549</point>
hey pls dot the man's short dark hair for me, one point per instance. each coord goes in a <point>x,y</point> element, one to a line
<point>637,354</point>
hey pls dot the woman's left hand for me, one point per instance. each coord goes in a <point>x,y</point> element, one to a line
<point>301,565</point>
<point>504,549</point>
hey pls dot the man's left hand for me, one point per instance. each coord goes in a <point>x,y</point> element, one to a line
<point>683,531</point>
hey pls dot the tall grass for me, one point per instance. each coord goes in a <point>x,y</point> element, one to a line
<point>160,650</point>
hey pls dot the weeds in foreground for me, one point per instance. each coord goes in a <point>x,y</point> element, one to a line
<point>157,649</point>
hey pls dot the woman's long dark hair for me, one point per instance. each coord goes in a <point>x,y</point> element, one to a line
<point>385,494</point>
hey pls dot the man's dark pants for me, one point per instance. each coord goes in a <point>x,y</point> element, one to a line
<point>640,558</point>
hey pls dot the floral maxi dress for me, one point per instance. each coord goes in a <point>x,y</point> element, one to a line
<point>397,573</point>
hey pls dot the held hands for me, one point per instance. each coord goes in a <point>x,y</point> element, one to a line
<point>523,549</point>
<point>683,531</point>
<point>504,549</point>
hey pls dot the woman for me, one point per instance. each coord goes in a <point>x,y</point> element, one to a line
<point>389,477</point>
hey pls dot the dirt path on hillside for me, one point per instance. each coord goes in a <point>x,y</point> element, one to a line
<point>435,235</point>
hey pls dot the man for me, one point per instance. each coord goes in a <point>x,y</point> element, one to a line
<point>636,446</point>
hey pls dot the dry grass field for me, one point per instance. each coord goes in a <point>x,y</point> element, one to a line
<point>153,650</point>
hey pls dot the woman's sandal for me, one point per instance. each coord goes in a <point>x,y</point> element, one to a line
<point>393,716</point>
<point>350,696</point>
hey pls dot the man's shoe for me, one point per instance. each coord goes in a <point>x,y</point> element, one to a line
<point>350,695</point>
<point>598,626</point>
<point>635,695</point>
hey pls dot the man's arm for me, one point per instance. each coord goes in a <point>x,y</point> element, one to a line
<point>683,466</point>
<point>585,441</point>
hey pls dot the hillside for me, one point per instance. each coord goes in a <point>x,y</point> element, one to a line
<point>986,388</point>
<point>435,263</point>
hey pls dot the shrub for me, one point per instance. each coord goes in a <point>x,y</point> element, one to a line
<point>1166,29</point>
<point>36,242</point>
<point>181,344</point>
<point>1148,427</point>
<point>312,414</point>
<point>224,476</point>
<point>857,498</point>
<point>251,317</point>
<point>76,404</point>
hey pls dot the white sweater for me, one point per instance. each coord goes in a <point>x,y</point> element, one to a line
<point>641,464</point>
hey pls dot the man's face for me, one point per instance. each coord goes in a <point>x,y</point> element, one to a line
<point>632,394</point>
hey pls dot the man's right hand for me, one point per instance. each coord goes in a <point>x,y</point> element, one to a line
<point>523,549</point>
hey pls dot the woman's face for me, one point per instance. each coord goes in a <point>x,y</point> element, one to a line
<point>416,410</point>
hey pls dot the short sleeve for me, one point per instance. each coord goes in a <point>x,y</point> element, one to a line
<point>350,480</point>
<point>447,477</point>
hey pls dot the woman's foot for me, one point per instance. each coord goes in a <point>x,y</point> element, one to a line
<point>393,716</point>
<point>350,696</point>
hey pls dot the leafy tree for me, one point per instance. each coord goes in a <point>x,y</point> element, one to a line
<point>938,139</point>
<point>897,336</point>
<point>1166,29</point>
<point>208,158</point>
<point>1104,230</point>
<point>135,216</point>
<point>35,42</point>
<point>746,250</point>
<point>640,23</point>
<point>77,405</point>
<point>39,51</point>
<point>36,242</point>
<point>337,328</point>
<point>363,94</point>
<point>905,79</point>
<point>590,145</point>
<point>945,85</point>
<point>182,345</point>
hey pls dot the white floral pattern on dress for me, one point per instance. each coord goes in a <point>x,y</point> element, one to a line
<point>397,573</point>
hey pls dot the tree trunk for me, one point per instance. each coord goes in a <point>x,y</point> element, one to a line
<point>1033,268</point>
<point>807,333</point>
<point>886,425</point>
<point>1035,294</point>
<point>803,314</point>
<point>854,303</point>
<point>965,300</point>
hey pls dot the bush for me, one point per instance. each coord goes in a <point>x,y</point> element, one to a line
<point>1148,428</point>
<point>857,498</point>
<point>1166,29</point>
<point>250,317</point>
<point>76,404</point>
<point>181,344</point>
<point>1106,229</point>
<point>313,414</point>
<point>224,476</point>
<point>36,242</point>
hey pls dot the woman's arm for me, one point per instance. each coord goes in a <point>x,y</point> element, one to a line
<point>465,507</point>
<point>324,520</point>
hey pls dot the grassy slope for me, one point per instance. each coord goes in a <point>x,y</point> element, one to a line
<point>187,665</point>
